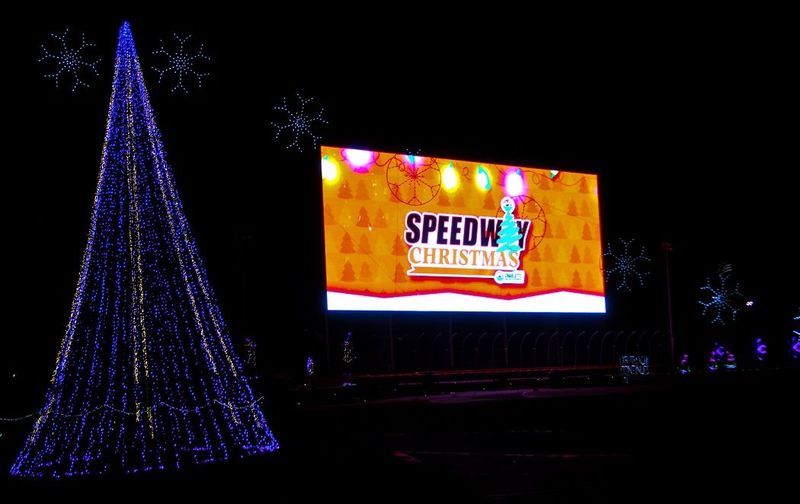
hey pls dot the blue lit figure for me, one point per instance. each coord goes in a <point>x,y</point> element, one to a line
<point>794,342</point>
<point>717,357</point>
<point>760,350</point>
<point>730,360</point>
<point>721,358</point>
<point>310,372</point>
<point>146,377</point>
<point>683,366</point>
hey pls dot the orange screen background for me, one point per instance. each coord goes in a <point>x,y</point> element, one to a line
<point>365,210</point>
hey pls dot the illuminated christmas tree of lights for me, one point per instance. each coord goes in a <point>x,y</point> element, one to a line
<point>70,60</point>
<point>181,63</point>
<point>146,377</point>
<point>299,123</point>
<point>625,262</point>
<point>722,297</point>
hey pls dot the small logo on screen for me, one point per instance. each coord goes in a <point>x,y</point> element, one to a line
<point>467,246</point>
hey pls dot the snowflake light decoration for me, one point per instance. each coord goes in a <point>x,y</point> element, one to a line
<point>627,261</point>
<point>299,123</point>
<point>70,60</point>
<point>181,63</point>
<point>723,297</point>
<point>794,342</point>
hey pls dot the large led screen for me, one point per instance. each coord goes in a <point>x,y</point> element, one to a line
<point>417,233</point>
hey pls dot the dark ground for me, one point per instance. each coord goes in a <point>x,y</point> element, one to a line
<point>723,436</point>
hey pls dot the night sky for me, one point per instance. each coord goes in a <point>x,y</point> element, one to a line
<point>685,120</point>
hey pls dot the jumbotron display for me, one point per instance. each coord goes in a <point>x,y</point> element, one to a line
<point>414,233</point>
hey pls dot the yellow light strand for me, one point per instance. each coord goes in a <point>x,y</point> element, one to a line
<point>42,419</point>
<point>130,251</point>
<point>139,283</point>
<point>150,422</point>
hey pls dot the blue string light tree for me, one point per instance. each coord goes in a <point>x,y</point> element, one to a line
<point>146,377</point>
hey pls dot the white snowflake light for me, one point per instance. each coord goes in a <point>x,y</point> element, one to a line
<point>70,60</point>
<point>626,264</point>
<point>181,63</point>
<point>299,123</point>
<point>723,299</point>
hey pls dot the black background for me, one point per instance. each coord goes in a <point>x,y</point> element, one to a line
<point>685,116</point>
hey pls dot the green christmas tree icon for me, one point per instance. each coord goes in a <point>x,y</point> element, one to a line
<point>508,237</point>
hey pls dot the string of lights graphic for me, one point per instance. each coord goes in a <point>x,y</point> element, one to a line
<point>163,404</point>
<point>145,336</point>
<point>69,60</point>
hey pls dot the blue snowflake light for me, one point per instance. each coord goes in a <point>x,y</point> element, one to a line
<point>70,60</point>
<point>181,63</point>
<point>722,297</point>
<point>299,123</point>
<point>626,263</point>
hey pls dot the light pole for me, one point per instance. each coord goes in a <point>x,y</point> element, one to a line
<point>667,248</point>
